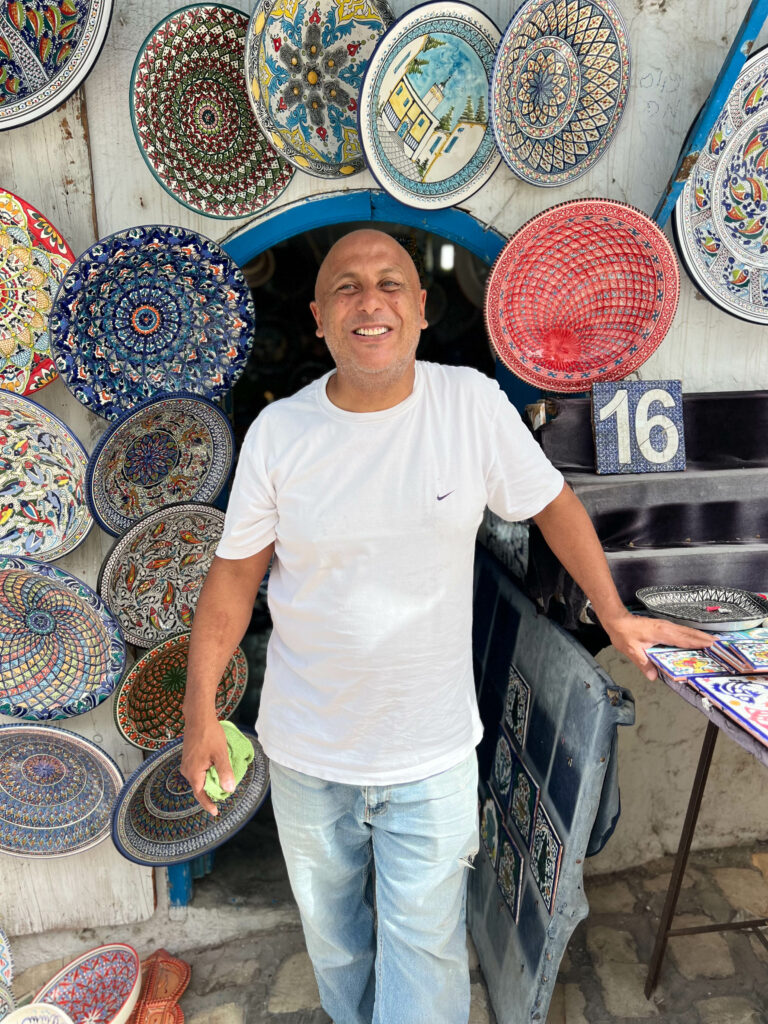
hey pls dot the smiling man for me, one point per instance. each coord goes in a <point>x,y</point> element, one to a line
<point>369,486</point>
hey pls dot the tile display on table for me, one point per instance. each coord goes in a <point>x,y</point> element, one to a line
<point>47,49</point>
<point>489,828</point>
<point>33,261</point>
<point>743,698</point>
<point>517,707</point>
<point>546,855</point>
<point>523,799</point>
<point>423,105</point>
<point>192,119</point>
<point>97,987</point>
<point>679,663</point>
<point>501,779</point>
<point>509,873</point>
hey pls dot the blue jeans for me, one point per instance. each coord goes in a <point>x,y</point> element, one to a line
<point>410,967</point>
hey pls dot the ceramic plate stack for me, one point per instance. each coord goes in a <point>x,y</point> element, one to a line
<point>33,261</point>
<point>151,310</point>
<point>423,106</point>
<point>719,220</point>
<point>559,87</point>
<point>157,820</point>
<point>99,987</point>
<point>585,291</point>
<point>304,65</point>
<point>57,791</point>
<point>192,119</point>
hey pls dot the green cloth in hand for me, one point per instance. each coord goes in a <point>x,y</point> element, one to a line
<point>240,750</point>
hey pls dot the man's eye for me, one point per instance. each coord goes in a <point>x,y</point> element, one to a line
<point>390,284</point>
<point>348,287</point>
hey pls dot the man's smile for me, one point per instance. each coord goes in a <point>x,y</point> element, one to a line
<point>370,332</point>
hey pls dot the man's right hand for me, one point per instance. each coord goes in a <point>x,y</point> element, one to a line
<point>204,746</point>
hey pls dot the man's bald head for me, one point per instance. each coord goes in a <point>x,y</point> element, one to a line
<point>354,245</point>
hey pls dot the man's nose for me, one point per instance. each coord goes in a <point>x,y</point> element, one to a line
<point>369,299</point>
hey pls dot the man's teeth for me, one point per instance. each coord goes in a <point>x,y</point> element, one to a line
<point>369,332</point>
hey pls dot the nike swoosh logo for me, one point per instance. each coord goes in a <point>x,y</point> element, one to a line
<point>441,496</point>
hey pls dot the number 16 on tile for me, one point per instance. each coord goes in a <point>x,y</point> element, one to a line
<point>638,426</point>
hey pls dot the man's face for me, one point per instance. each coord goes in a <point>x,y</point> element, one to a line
<point>369,308</point>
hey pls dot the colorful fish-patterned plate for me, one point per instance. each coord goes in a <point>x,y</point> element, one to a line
<point>33,261</point>
<point>148,700</point>
<point>152,577</point>
<point>57,790</point>
<point>157,820</point>
<point>43,511</point>
<point>423,105</point>
<point>168,449</point>
<point>37,1013</point>
<point>99,987</point>
<point>64,650</point>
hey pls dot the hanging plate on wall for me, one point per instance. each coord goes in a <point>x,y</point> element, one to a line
<point>151,310</point>
<point>585,291</point>
<point>191,117</point>
<point>304,65</point>
<point>46,52</point>
<point>63,652</point>
<point>423,118</point>
<point>158,821</point>
<point>148,701</point>
<point>57,790</point>
<point>167,449</point>
<point>152,577</point>
<point>43,512</point>
<point>33,261</point>
<point>559,87</point>
<point>98,987</point>
<point>719,220</point>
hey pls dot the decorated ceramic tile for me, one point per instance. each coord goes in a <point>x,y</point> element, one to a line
<point>517,704</point>
<point>7,1002</point>
<point>158,821</point>
<point>509,873</point>
<point>585,291</point>
<point>546,854</point>
<point>559,87</point>
<point>47,48</point>
<point>489,828</point>
<point>638,426</point>
<point>742,698</point>
<point>680,663</point>
<point>147,311</point>
<point>37,1013</point>
<point>6,959</point>
<point>148,700</point>
<point>168,449</point>
<point>502,769</point>
<point>33,261</point>
<point>99,987</point>
<point>304,64</point>
<point>719,220</point>
<point>152,577</point>
<point>63,650</point>
<point>56,791</point>
<point>191,117</point>
<point>523,799</point>
<point>43,511</point>
<point>423,106</point>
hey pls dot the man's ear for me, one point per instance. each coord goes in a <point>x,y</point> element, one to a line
<point>318,318</point>
<point>422,309</point>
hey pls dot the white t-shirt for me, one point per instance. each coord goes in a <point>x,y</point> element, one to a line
<point>374,517</point>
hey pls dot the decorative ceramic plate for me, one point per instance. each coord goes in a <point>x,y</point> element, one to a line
<point>559,87</point>
<point>192,119</point>
<point>147,311</point>
<point>33,261</point>
<point>56,791</point>
<point>47,49</point>
<point>157,820</point>
<point>6,960</point>
<point>304,65</point>
<point>62,651</point>
<point>43,511</point>
<point>37,1013</point>
<point>719,609</point>
<point>152,577</point>
<point>7,1002</point>
<point>584,291</point>
<point>99,987</point>
<point>148,701</point>
<point>719,221</point>
<point>423,117</point>
<point>168,449</point>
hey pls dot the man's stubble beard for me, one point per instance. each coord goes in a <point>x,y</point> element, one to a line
<point>372,380</point>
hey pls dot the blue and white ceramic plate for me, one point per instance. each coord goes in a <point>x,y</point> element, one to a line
<point>37,1013</point>
<point>424,105</point>
<point>168,449</point>
<point>304,65</point>
<point>151,310</point>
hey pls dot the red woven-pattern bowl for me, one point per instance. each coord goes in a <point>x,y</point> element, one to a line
<point>584,291</point>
